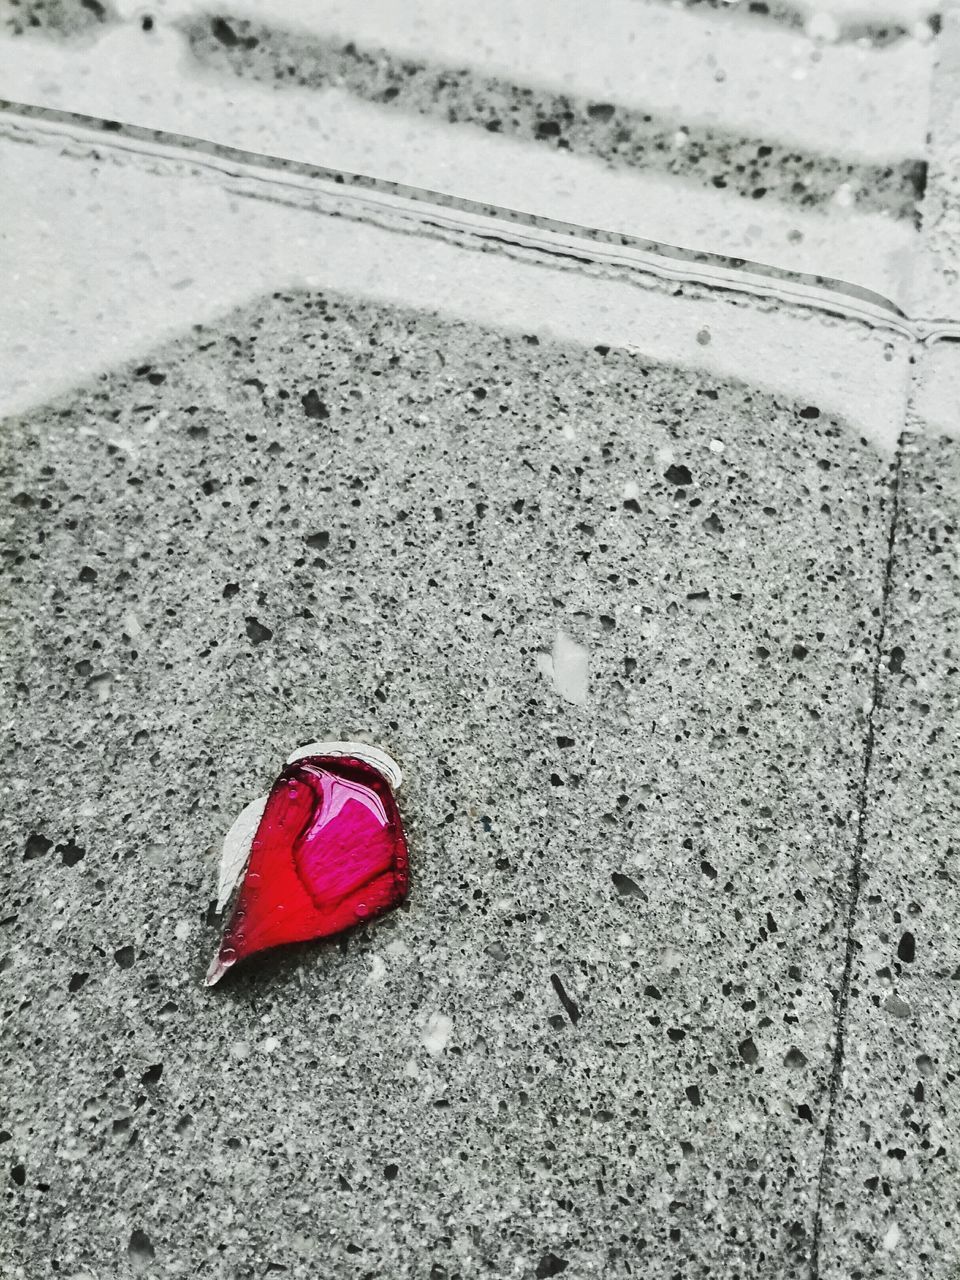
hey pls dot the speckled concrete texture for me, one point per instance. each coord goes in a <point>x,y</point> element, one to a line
<point>679,145</point>
<point>56,19</point>
<point>709,156</point>
<point>723,128</point>
<point>891,1196</point>
<point>599,1038</point>
<point>866,25</point>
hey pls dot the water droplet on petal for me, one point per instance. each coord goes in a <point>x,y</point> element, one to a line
<point>253,877</point>
<point>362,910</point>
<point>228,955</point>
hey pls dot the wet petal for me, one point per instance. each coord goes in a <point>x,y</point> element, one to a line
<point>329,852</point>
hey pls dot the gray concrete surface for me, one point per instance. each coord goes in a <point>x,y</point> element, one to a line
<point>674,994</point>
<point>894,1176</point>
<point>418,1100</point>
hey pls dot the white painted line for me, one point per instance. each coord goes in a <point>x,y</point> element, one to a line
<point>935,406</point>
<point>754,79</point>
<point>152,82</point>
<point>935,288</point>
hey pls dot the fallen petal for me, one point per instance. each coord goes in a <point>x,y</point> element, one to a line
<point>329,852</point>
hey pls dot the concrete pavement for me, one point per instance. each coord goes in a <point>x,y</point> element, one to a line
<point>673,993</point>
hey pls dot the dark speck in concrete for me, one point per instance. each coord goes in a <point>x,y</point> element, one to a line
<point>313,406</point>
<point>140,1249</point>
<point>906,949</point>
<point>625,886</point>
<point>36,846</point>
<point>573,1010</point>
<point>748,1050</point>
<point>257,632</point>
<point>550,1265</point>
<point>222,31</point>
<point>71,853</point>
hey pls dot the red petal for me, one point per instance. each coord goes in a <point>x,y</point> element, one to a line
<point>329,853</point>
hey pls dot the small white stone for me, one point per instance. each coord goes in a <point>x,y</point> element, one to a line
<point>823,26</point>
<point>182,930</point>
<point>716,446</point>
<point>436,1033</point>
<point>570,669</point>
<point>270,1044</point>
<point>892,1238</point>
<point>631,490</point>
<point>378,970</point>
<point>843,196</point>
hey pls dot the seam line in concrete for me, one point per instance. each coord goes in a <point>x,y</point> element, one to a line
<point>855,874</point>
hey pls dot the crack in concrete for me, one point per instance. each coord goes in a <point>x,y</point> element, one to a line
<point>855,873</point>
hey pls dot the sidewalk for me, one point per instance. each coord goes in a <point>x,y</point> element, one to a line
<point>674,990</point>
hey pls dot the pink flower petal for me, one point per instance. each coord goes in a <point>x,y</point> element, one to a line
<point>328,854</point>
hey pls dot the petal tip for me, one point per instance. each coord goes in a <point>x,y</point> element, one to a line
<point>218,967</point>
